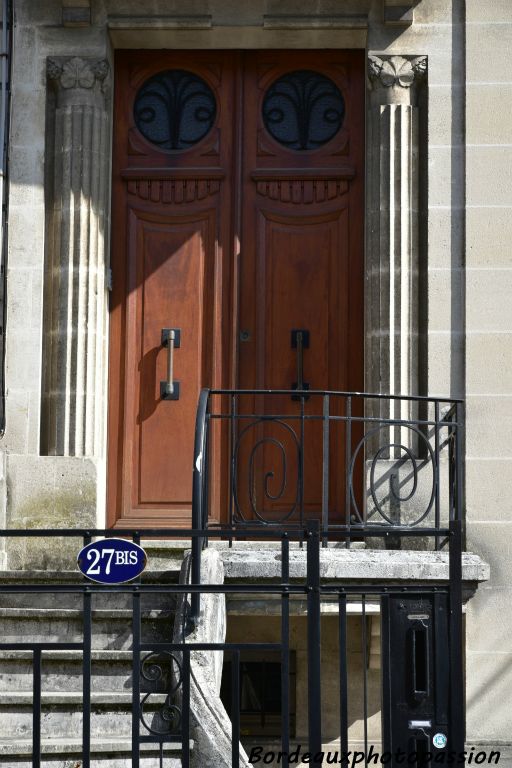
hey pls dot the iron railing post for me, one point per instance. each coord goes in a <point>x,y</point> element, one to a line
<point>314,640</point>
<point>235,709</point>
<point>36,709</point>
<point>348,470</point>
<point>325,470</point>
<point>456,734</point>
<point>86,672</point>
<point>185,715</point>
<point>136,641</point>
<point>437,476</point>
<point>200,469</point>
<point>343,672</point>
<point>459,468</point>
<point>285,646</point>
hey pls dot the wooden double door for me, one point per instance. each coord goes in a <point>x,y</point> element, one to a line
<point>237,221</point>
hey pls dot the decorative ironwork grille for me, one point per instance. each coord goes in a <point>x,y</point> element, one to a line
<point>175,109</point>
<point>303,110</point>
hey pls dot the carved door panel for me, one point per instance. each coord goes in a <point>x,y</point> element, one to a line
<point>236,222</point>
<point>301,269</point>
<point>171,270</point>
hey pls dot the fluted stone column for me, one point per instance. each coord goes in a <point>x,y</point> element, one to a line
<point>75,300</point>
<point>393,306</point>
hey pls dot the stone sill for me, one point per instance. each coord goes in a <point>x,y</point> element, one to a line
<point>361,565</point>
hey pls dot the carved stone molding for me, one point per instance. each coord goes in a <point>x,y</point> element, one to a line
<point>393,79</point>
<point>76,72</point>
<point>78,80</point>
<point>396,70</point>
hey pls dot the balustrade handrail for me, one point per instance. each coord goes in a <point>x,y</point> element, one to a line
<point>394,451</point>
<point>452,419</point>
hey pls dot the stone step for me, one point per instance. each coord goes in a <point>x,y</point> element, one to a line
<point>107,753</point>
<point>62,714</point>
<point>111,629</point>
<point>99,601</point>
<point>58,617</point>
<point>62,671</point>
<point>75,600</point>
<point>165,554</point>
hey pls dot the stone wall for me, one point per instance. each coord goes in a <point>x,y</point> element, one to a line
<point>489,362</point>
<point>42,490</point>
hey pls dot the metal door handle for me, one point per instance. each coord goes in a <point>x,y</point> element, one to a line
<point>170,389</point>
<point>300,341</point>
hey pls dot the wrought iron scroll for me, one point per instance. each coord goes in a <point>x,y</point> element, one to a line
<point>175,109</point>
<point>276,474</point>
<point>166,718</point>
<point>405,456</point>
<point>303,110</point>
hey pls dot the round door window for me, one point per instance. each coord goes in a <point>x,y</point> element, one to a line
<point>175,109</point>
<point>303,110</point>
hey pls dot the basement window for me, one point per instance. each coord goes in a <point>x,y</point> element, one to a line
<point>260,692</point>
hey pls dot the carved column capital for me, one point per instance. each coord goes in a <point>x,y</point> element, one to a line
<point>393,79</point>
<point>78,80</point>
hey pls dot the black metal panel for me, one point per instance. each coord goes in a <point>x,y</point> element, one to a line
<point>416,688</point>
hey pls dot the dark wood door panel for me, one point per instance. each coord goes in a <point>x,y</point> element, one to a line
<point>252,224</point>
<point>302,267</point>
<point>300,283</point>
<point>171,265</point>
<point>175,261</point>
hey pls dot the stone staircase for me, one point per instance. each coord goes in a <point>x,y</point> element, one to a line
<point>47,617</point>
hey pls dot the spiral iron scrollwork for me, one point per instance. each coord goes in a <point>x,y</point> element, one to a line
<point>394,490</point>
<point>303,110</point>
<point>166,719</point>
<point>175,109</point>
<point>275,480</point>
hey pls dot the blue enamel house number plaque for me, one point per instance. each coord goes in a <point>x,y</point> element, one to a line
<point>112,561</point>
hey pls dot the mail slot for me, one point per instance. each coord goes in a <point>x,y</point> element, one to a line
<point>420,724</point>
<point>415,668</point>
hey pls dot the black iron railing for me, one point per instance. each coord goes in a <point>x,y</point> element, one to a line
<point>441,703</point>
<point>353,461</point>
<point>347,459</point>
